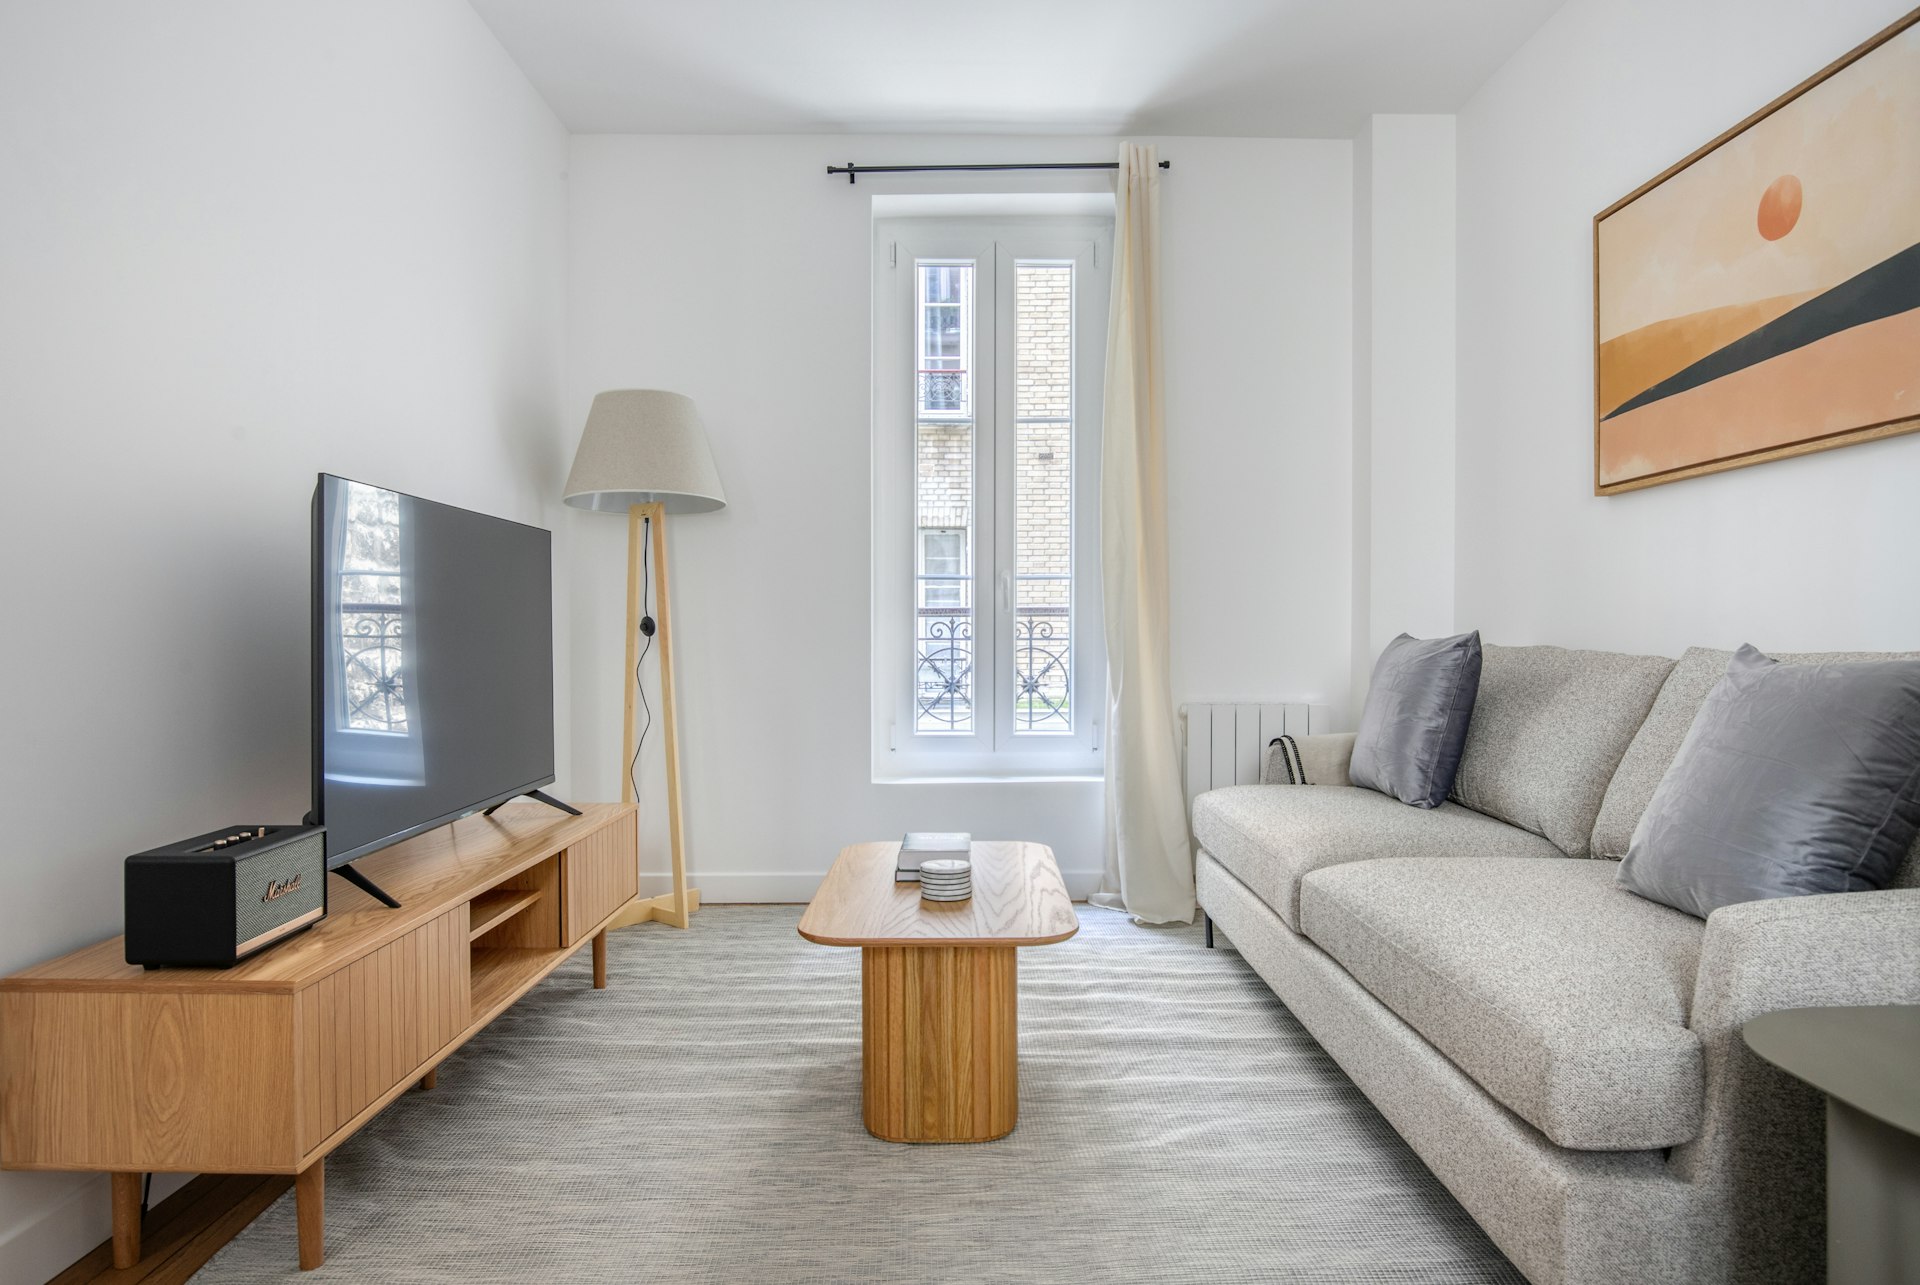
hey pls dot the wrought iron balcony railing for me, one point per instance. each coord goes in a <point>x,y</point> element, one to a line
<point>944,663</point>
<point>942,392</point>
<point>943,670</point>
<point>1042,668</point>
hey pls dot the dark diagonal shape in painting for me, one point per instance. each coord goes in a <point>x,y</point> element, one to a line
<point>1888,288</point>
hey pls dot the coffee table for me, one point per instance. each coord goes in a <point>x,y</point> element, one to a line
<point>939,1000</point>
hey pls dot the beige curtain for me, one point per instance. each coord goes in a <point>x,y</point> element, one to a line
<point>1149,870</point>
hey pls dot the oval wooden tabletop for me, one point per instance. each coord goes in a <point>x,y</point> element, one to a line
<point>1018,899</point>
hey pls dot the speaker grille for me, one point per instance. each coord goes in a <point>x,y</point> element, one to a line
<point>255,913</point>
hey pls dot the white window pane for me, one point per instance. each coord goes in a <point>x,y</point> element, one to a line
<point>1043,501</point>
<point>941,283</point>
<point>943,551</point>
<point>943,680</point>
<point>944,335</point>
<point>943,568</point>
<point>940,331</point>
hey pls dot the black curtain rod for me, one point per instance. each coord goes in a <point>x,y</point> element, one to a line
<point>853,171</point>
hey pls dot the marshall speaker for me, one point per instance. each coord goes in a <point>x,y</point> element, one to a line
<point>212,900</point>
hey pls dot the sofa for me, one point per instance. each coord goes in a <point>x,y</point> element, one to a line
<point>1564,1055</point>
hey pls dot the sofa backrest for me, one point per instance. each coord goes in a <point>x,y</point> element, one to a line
<point>1548,728</point>
<point>1658,740</point>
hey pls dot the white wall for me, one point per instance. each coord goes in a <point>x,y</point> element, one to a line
<point>1360,479</point>
<point>733,270</point>
<point>1404,384</point>
<point>239,244</point>
<point>1811,553</point>
<point>1411,407</point>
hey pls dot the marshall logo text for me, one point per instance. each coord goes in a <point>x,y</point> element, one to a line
<point>281,887</point>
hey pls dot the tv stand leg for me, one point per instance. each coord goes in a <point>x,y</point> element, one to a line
<point>538,796</point>
<point>310,1212</point>
<point>600,960</point>
<point>126,1219</point>
<point>541,796</point>
<point>366,885</point>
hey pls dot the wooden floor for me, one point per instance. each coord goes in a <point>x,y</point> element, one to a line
<point>183,1231</point>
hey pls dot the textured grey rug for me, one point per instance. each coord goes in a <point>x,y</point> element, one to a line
<point>699,1121</point>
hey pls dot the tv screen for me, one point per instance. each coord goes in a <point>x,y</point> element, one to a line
<point>432,663</point>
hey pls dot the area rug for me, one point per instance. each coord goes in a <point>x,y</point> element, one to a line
<point>699,1121</point>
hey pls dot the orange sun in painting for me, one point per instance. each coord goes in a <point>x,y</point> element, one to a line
<point>1779,207</point>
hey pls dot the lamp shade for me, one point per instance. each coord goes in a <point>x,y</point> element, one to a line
<point>642,446</point>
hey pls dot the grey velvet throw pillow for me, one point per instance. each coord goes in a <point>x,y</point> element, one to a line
<point>1793,779</point>
<point>1415,721</point>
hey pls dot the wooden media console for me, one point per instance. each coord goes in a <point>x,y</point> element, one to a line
<point>266,1067</point>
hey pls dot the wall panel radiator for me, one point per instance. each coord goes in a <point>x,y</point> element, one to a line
<point>1227,739</point>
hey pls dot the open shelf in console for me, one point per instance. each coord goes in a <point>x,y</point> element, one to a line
<point>501,973</point>
<point>513,935</point>
<point>495,906</point>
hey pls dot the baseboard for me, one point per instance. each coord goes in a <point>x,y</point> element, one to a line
<point>798,889</point>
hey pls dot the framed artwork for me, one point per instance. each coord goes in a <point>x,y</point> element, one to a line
<point>1761,299</point>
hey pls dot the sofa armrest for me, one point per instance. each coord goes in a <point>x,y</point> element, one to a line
<point>1321,760</point>
<point>1761,1137</point>
<point>1807,952</point>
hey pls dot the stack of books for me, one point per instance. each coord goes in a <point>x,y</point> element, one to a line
<point>921,846</point>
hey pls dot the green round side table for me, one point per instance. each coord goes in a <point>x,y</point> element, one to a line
<point>1867,1062</point>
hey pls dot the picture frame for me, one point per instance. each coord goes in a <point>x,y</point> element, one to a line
<point>1721,340</point>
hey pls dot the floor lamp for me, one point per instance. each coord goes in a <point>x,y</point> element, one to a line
<point>644,453</point>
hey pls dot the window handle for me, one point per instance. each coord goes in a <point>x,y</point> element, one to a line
<point>1006,591</point>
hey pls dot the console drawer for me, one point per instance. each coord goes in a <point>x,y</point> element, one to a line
<point>601,873</point>
<point>367,1027</point>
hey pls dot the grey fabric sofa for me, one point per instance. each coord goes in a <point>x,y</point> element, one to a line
<point>1563,1055</point>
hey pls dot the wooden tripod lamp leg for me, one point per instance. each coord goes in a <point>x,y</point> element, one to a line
<point>679,915</point>
<point>675,908</point>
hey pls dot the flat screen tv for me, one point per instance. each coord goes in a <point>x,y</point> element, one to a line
<point>432,665</point>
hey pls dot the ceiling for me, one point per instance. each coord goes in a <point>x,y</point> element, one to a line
<point>1283,68</point>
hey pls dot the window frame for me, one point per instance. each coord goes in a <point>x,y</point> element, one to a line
<point>993,749</point>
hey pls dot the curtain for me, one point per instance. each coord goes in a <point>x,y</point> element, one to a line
<point>1149,866</point>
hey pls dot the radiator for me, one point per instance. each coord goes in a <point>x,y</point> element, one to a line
<point>1226,739</point>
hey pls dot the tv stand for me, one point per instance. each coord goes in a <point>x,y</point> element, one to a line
<point>367,885</point>
<point>266,1067</point>
<point>538,796</point>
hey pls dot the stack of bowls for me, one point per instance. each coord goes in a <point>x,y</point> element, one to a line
<point>946,879</point>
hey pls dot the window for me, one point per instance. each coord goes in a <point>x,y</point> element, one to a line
<point>943,568</point>
<point>945,334</point>
<point>989,338</point>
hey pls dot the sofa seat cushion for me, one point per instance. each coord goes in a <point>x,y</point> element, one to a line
<point>1563,995</point>
<point>1271,836</point>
